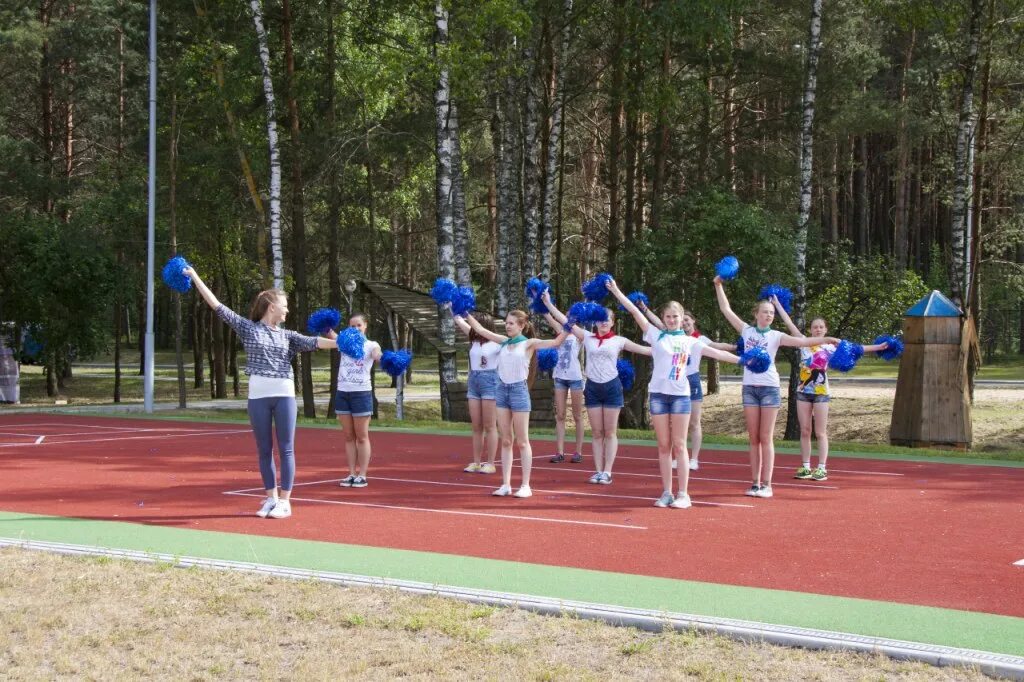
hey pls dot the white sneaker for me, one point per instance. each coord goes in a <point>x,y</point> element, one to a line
<point>266,507</point>
<point>764,491</point>
<point>665,500</point>
<point>595,478</point>
<point>282,510</point>
<point>752,490</point>
<point>524,491</point>
<point>347,481</point>
<point>682,502</point>
<point>675,464</point>
<point>472,468</point>
<point>606,478</point>
<point>503,491</point>
<point>694,465</point>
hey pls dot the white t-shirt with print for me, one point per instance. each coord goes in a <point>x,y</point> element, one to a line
<point>568,366</point>
<point>770,341</point>
<point>354,375</point>
<point>483,356</point>
<point>693,363</point>
<point>671,353</point>
<point>602,359</point>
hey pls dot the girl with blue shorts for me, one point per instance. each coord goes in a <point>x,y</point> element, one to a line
<point>353,404</point>
<point>513,394</point>
<point>761,396</point>
<point>671,348</point>
<point>481,392</point>
<point>603,393</point>
<point>269,350</point>
<point>568,378</point>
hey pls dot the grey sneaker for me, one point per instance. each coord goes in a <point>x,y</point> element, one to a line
<point>665,500</point>
<point>606,478</point>
<point>595,477</point>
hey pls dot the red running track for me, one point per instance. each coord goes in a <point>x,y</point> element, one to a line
<point>919,533</point>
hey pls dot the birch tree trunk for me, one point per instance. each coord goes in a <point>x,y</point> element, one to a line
<point>502,129</point>
<point>531,165</point>
<point>443,186</point>
<point>333,206</point>
<point>804,211</point>
<point>277,266</point>
<point>551,175</point>
<point>615,112</point>
<point>460,226</point>
<point>963,166</point>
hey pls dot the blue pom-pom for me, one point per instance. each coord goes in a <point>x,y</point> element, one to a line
<point>463,301</point>
<point>639,299</point>
<point>395,362</point>
<point>784,295</point>
<point>893,350</point>
<point>626,373</point>
<point>756,360</point>
<point>535,286</point>
<point>596,288</point>
<point>845,357</point>
<point>547,358</point>
<point>740,346</point>
<point>322,320</point>
<point>858,351</point>
<point>587,312</point>
<point>537,305</point>
<point>443,290</point>
<point>173,274</point>
<point>727,268</point>
<point>350,342</point>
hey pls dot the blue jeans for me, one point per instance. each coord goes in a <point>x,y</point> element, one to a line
<point>662,403</point>
<point>515,397</point>
<point>568,384</point>
<point>482,384</point>
<point>696,390</point>
<point>355,403</point>
<point>608,394</point>
<point>264,415</point>
<point>761,396</point>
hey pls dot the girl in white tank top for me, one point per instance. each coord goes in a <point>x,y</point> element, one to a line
<point>483,365</point>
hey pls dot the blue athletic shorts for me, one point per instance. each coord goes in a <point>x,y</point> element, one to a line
<point>482,384</point>
<point>569,384</point>
<point>608,394</point>
<point>355,403</point>
<point>761,396</point>
<point>696,390</point>
<point>515,397</point>
<point>662,403</point>
<point>813,397</point>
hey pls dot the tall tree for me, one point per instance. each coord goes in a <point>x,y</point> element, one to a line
<point>443,193</point>
<point>550,199</point>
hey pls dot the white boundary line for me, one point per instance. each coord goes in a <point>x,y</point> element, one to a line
<point>124,438</point>
<point>804,486</point>
<point>1003,665</point>
<point>105,427</point>
<point>491,487</point>
<point>1019,563</point>
<point>452,511</point>
<point>746,464</point>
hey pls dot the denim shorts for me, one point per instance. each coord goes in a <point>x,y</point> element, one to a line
<point>608,394</point>
<point>813,397</point>
<point>761,396</point>
<point>515,397</point>
<point>696,390</point>
<point>355,403</point>
<point>482,384</point>
<point>662,403</point>
<point>568,384</point>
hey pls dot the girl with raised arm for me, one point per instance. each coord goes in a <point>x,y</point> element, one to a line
<point>761,396</point>
<point>812,396</point>
<point>353,404</point>
<point>481,393</point>
<point>671,349</point>
<point>603,393</point>
<point>513,394</point>
<point>568,378</point>
<point>269,350</point>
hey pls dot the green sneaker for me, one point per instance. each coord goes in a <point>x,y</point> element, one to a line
<point>819,474</point>
<point>804,473</point>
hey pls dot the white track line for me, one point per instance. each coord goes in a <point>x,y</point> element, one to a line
<point>93,426</point>
<point>124,438</point>
<point>747,464</point>
<point>695,478</point>
<point>455,512</point>
<point>491,487</point>
<point>1019,563</point>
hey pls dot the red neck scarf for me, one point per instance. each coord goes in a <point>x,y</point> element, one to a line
<point>601,338</point>
<point>695,333</point>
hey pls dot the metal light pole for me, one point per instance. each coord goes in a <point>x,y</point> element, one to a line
<point>151,221</point>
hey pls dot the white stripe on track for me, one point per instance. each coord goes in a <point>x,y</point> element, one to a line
<point>697,478</point>
<point>746,464</point>
<point>124,438</point>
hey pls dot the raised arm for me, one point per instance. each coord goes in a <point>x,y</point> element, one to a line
<point>807,341</point>
<point>724,356</point>
<point>461,324</point>
<point>781,312</point>
<point>538,344</point>
<point>875,347</point>
<point>641,321</point>
<point>484,331</point>
<point>556,318</point>
<point>652,318</point>
<point>637,349</point>
<point>201,287</point>
<point>723,305</point>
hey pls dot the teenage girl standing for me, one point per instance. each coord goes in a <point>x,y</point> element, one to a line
<point>481,390</point>
<point>353,404</point>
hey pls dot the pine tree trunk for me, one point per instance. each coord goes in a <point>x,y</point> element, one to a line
<point>460,225</point>
<point>551,174</point>
<point>277,266</point>
<point>615,113</point>
<point>198,340</point>
<point>172,219</point>
<point>531,165</point>
<point>333,207</point>
<point>661,148</point>
<point>443,183</point>
<point>505,296</point>
<point>902,157</point>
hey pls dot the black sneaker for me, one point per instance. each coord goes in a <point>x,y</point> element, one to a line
<point>577,458</point>
<point>359,482</point>
<point>557,459</point>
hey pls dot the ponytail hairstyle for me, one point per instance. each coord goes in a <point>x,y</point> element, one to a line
<point>263,301</point>
<point>523,319</point>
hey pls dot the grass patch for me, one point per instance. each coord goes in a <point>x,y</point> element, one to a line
<point>138,622</point>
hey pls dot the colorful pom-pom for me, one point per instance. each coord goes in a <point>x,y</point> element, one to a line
<point>639,299</point>
<point>727,268</point>
<point>756,360</point>
<point>587,312</point>
<point>626,373</point>
<point>174,275</point>
<point>740,346</point>
<point>845,356</point>
<point>395,362</point>
<point>443,290</point>
<point>322,320</point>
<point>893,350</point>
<point>547,358</point>
<point>351,342</point>
<point>784,295</point>
<point>596,288</point>
<point>463,301</point>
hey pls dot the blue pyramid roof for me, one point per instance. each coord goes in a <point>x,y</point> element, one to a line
<point>934,304</point>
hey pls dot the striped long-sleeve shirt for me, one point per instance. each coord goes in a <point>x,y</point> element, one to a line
<point>268,350</point>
